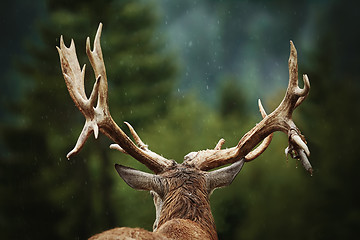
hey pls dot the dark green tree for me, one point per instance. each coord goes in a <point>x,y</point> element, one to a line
<point>44,195</point>
<point>335,212</point>
<point>232,99</point>
<point>272,201</point>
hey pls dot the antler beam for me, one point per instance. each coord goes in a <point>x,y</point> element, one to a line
<point>98,117</point>
<point>279,120</point>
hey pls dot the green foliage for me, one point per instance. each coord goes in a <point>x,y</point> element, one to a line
<point>45,196</point>
<point>72,199</point>
<point>233,100</point>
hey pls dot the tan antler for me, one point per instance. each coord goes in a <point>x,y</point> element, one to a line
<point>98,117</point>
<point>279,120</point>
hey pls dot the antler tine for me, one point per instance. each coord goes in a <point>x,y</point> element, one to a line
<point>97,62</point>
<point>99,118</point>
<point>84,135</point>
<point>293,90</point>
<point>90,125</point>
<point>74,78</point>
<point>136,137</point>
<point>306,89</point>
<point>264,144</point>
<point>137,140</point>
<point>72,73</point>
<point>219,144</point>
<point>279,120</point>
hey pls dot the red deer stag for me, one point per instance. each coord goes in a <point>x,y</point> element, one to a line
<point>180,191</point>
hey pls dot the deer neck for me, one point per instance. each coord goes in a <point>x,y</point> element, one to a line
<point>187,199</point>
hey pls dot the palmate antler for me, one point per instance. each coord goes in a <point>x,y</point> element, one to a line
<point>98,117</point>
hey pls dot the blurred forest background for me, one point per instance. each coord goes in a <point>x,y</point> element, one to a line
<point>184,74</point>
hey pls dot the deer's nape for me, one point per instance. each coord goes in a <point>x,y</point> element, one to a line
<point>181,191</point>
<point>186,197</point>
<point>181,197</point>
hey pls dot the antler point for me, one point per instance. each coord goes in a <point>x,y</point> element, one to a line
<point>98,33</point>
<point>293,51</point>
<point>72,44</point>
<point>70,154</point>
<point>59,50</point>
<point>88,46</point>
<point>261,108</point>
<point>306,80</point>
<point>96,130</point>
<point>62,44</point>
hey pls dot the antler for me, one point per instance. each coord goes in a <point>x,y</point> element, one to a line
<point>279,120</point>
<point>98,117</point>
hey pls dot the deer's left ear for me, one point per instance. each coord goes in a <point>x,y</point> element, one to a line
<point>140,180</point>
<point>223,176</point>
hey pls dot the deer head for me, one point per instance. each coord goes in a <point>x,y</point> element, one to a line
<point>180,191</point>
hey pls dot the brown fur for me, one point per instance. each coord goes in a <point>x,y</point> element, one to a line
<point>176,229</point>
<point>180,229</point>
<point>181,196</point>
<point>126,233</point>
<point>185,212</point>
<point>186,197</point>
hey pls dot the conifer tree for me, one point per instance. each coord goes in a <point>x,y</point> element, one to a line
<point>47,196</point>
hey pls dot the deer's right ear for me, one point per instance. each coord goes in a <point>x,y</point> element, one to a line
<point>140,180</point>
<point>223,176</point>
